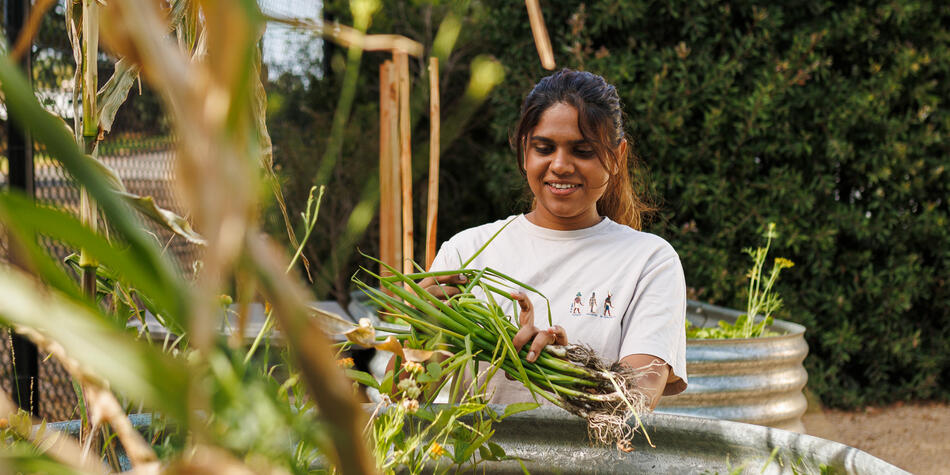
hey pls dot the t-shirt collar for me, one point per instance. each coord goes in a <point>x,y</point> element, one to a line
<point>557,235</point>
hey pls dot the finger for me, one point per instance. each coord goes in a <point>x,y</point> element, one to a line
<point>526,316</point>
<point>442,291</point>
<point>452,279</point>
<point>524,335</point>
<point>541,340</point>
<point>523,301</point>
<point>559,333</point>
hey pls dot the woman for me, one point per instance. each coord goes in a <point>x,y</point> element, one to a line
<point>581,234</point>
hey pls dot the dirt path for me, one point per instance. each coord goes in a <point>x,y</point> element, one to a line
<point>915,437</point>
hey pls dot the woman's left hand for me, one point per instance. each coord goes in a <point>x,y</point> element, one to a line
<point>539,338</point>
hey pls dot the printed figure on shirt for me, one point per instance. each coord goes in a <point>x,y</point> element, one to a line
<point>576,305</point>
<point>607,306</point>
<point>593,303</point>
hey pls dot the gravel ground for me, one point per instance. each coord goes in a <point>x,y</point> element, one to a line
<point>912,436</point>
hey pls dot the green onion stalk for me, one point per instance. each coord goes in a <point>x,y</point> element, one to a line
<point>571,376</point>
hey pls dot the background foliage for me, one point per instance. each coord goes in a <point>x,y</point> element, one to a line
<point>828,118</point>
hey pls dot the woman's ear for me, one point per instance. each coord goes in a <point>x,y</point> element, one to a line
<point>621,155</point>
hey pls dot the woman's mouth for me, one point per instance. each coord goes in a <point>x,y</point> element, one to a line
<point>562,188</point>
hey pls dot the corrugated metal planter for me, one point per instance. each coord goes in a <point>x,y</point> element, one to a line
<point>555,442</point>
<point>549,440</point>
<point>753,380</point>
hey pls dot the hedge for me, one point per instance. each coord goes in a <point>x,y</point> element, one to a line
<point>828,118</point>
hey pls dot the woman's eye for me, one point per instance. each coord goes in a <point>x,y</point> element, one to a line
<point>584,152</point>
<point>544,150</point>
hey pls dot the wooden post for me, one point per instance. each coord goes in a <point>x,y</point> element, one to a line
<point>540,32</point>
<point>390,225</point>
<point>433,192</point>
<point>405,159</point>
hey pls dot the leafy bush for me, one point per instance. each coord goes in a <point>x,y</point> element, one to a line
<point>828,118</point>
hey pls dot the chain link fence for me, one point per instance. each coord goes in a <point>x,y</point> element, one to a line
<point>141,151</point>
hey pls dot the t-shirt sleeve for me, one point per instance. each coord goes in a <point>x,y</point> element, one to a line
<point>447,258</point>
<point>654,323</point>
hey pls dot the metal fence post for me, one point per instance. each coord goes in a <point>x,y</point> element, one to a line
<point>20,156</point>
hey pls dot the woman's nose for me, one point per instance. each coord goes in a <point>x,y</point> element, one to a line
<point>561,163</point>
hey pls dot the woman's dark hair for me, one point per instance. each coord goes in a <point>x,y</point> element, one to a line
<point>600,120</point>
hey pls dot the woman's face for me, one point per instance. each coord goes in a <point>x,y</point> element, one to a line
<point>563,172</point>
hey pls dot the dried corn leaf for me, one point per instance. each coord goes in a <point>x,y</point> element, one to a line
<point>115,91</point>
<point>419,356</point>
<point>392,345</point>
<point>363,334</point>
<point>167,219</point>
<point>330,322</point>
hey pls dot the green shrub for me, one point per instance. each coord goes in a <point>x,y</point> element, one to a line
<point>828,118</point>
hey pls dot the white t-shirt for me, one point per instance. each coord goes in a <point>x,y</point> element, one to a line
<point>615,289</point>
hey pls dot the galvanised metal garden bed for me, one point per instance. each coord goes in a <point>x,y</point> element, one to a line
<point>550,440</point>
<point>753,380</point>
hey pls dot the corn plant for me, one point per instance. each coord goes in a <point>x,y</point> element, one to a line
<point>223,411</point>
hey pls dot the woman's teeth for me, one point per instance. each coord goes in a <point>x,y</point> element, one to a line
<point>563,186</point>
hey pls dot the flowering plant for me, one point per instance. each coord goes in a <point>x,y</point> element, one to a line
<point>762,300</point>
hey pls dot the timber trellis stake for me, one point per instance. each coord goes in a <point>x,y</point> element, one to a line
<point>540,33</point>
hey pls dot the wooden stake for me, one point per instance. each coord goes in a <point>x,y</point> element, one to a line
<point>433,193</point>
<point>540,32</point>
<point>401,60</point>
<point>390,226</point>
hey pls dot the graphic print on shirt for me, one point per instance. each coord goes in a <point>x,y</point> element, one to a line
<point>592,309</point>
<point>576,305</point>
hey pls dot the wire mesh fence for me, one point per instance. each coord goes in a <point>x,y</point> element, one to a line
<point>145,163</point>
<point>139,149</point>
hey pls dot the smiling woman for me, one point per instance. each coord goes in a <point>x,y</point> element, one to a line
<point>563,172</point>
<point>615,289</point>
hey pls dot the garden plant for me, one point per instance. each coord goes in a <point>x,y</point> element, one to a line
<point>762,300</point>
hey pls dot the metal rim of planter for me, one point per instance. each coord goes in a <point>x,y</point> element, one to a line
<point>550,440</point>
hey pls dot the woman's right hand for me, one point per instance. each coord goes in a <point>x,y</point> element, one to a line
<point>527,330</point>
<point>444,286</point>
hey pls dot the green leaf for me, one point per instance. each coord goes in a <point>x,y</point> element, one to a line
<point>434,369</point>
<point>461,449</point>
<point>51,131</point>
<point>362,377</point>
<point>135,368</point>
<point>27,219</point>
<point>512,409</point>
<point>467,453</point>
<point>386,384</point>
<point>497,450</point>
<point>486,454</point>
<point>425,414</point>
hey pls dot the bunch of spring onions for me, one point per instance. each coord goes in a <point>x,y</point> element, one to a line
<point>572,376</point>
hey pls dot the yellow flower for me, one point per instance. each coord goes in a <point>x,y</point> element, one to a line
<point>436,451</point>
<point>345,363</point>
<point>783,263</point>
<point>412,367</point>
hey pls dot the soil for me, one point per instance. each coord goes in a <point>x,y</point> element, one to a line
<point>912,436</point>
